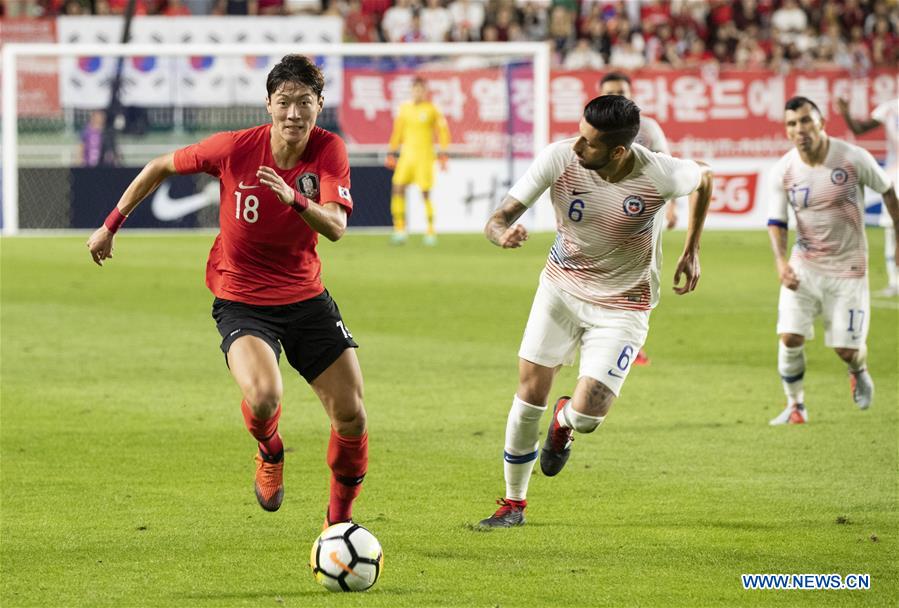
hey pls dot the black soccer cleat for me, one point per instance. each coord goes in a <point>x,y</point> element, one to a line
<point>509,514</point>
<point>557,447</point>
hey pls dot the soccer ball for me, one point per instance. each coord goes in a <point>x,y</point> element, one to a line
<point>346,557</point>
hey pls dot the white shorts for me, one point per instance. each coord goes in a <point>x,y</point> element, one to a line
<point>842,302</point>
<point>609,339</point>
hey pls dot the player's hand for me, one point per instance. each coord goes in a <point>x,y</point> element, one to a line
<point>688,267</point>
<point>268,177</point>
<point>100,244</point>
<point>442,160</point>
<point>843,105</point>
<point>788,276</point>
<point>671,216</point>
<point>513,237</point>
<point>390,161</point>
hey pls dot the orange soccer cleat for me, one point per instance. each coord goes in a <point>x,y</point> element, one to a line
<point>269,481</point>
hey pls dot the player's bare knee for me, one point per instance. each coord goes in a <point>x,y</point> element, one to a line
<point>349,419</point>
<point>592,398</point>
<point>262,400</point>
<point>792,340</point>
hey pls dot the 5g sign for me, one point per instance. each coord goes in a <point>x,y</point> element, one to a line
<point>733,193</point>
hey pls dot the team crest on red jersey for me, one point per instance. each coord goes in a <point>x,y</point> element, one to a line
<point>633,205</point>
<point>307,184</point>
<point>839,176</point>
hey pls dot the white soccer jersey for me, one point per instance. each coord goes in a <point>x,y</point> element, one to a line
<point>607,249</point>
<point>887,114</point>
<point>828,202</point>
<point>651,136</point>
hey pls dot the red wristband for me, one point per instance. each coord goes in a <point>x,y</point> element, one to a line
<point>114,220</point>
<point>300,203</point>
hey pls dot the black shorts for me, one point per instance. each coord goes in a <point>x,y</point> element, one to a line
<point>312,331</point>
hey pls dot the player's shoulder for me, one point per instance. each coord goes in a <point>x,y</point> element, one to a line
<point>248,138</point>
<point>885,109</point>
<point>322,140</point>
<point>789,157</point>
<point>561,150</point>
<point>650,158</point>
<point>649,122</point>
<point>842,151</point>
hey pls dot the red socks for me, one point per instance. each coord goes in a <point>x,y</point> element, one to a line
<point>348,459</point>
<point>264,431</point>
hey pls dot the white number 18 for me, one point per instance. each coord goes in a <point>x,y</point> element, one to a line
<point>250,208</point>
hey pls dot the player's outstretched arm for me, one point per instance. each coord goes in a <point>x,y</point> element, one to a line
<point>328,219</point>
<point>500,230</point>
<point>154,172</point>
<point>688,264</point>
<point>859,127</point>
<point>891,202</point>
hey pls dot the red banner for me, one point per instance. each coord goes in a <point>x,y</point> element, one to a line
<point>38,77</point>
<point>729,113</point>
<point>485,109</point>
<point>705,114</point>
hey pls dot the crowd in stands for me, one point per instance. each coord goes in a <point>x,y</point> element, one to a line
<point>624,34</point>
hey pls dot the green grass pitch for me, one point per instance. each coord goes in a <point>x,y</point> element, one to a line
<point>127,471</point>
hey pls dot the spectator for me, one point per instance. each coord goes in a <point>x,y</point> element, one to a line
<point>468,19</point>
<point>697,54</point>
<point>358,25</point>
<point>415,33</point>
<point>437,21</point>
<point>599,39</point>
<point>625,56</point>
<point>234,7</point>
<point>505,17</point>
<point>175,8</point>
<point>534,21</point>
<point>788,22</point>
<point>583,57</point>
<point>92,139</point>
<point>561,31</point>
<point>397,21</point>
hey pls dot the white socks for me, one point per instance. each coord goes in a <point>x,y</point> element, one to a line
<point>791,366</point>
<point>859,360</point>
<point>582,423</point>
<point>522,441</point>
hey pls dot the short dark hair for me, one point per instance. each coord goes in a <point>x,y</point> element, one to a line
<point>615,77</point>
<point>616,117</point>
<point>419,80</point>
<point>298,69</point>
<point>794,103</point>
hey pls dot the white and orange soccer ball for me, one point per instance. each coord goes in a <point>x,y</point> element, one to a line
<point>346,557</point>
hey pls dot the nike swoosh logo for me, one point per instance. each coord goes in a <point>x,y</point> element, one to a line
<point>168,209</point>
<point>242,186</point>
<point>611,373</point>
<point>578,193</point>
<point>335,557</point>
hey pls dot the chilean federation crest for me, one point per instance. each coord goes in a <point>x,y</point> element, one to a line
<point>839,176</point>
<point>307,184</point>
<point>633,205</point>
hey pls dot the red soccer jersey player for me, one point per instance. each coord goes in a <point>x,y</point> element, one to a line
<point>282,185</point>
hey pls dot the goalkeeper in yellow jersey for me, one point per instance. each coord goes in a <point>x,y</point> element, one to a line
<point>417,121</point>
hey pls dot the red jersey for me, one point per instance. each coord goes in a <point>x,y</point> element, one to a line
<point>265,253</point>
